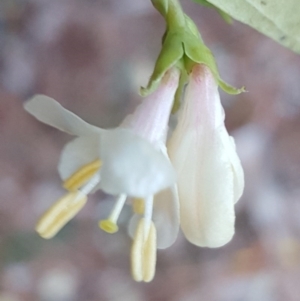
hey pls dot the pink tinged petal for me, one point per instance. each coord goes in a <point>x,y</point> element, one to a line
<point>49,111</point>
<point>131,165</point>
<point>205,173</point>
<point>150,119</point>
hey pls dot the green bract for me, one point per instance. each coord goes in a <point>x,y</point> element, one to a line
<point>279,20</point>
<point>183,47</point>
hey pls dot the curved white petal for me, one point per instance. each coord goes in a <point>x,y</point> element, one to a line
<point>238,172</point>
<point>49,111</point>
<point>165,217</point>
<point>150,118</point>
<point>132,166</point>
<point>205,188</point>
<point>204,168</point>
<point>78,153</point>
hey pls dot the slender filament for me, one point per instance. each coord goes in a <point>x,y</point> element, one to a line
<point>109,225</point>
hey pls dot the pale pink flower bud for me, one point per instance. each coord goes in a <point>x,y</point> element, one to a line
<point>210,176</point>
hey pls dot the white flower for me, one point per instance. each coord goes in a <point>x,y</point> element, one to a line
<point>122,152</point>
<point>210,176</point>
<point>117,161</point>
<point>150,121</point>
<point>128,161</point>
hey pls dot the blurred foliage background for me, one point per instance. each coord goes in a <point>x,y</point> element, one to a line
<point>92,56</point>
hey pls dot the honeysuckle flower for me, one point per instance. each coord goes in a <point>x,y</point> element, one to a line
<point>129,161</point>
<point>156,220</point>
<point>117,161</point>
<point>210,175</point>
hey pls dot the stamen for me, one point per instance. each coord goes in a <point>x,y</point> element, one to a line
<point>81,176</point>
<point>60,213</point>
<point>109,225</point>
<point>91,184</point>
<point>143,253</point>
<point>148,214</point>
<point>138,206</point>
<point>149,260</point>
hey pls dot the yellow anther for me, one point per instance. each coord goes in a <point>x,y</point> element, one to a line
<point>143,253</point>
<point>81,176</point>
<point>138,206</point>
<point>60,213</point>
<point>108,226</point>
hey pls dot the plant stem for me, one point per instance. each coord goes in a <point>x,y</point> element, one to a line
<point>175,16</point>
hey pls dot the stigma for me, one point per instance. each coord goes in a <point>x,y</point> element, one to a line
<point>109,225</point>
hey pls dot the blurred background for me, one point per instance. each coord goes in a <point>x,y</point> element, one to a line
<point>92,56</point>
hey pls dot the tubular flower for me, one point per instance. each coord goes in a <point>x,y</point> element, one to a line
<point>96,158</point>
<point>129,161</point>
<point>156,220</point>
<point>210,175</point>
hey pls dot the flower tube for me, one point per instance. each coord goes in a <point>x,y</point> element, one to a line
<point>210,175</point>
<point>128,161</point>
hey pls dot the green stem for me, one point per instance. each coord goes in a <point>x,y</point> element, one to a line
<point>161,6</point>
<point>175,15</point>
<point>171,11</point>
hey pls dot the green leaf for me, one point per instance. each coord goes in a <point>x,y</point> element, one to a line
<point>225,16</point>
<point>277,19</point>
<point>204,3</point>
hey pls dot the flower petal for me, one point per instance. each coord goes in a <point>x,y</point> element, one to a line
<point>78,153</point>
<point>132,166</point>
<point>238,172</point>
<point>150,118</point>
<point>49,111</point>
<point>166,216</point>
<point>204,169</point>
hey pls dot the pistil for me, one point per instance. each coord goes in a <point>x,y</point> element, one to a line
<point>109,225</point>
